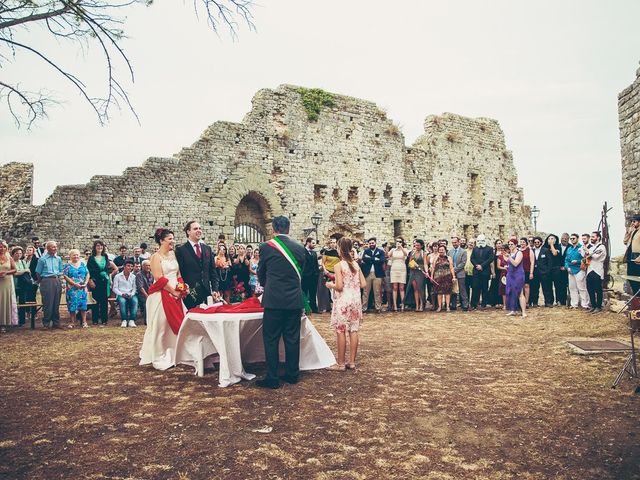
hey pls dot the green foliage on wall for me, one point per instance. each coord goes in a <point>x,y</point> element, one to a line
<point>313,99</point>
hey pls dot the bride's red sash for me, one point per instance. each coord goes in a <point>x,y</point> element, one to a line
<point>172,306</point>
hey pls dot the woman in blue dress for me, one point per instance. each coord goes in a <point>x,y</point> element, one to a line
<point>514,288</point>
<point>76,275</point>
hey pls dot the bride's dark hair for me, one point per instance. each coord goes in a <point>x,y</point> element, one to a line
<point>161,234</point>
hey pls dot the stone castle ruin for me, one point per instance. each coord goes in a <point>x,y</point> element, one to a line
<point>297,152</point>
<point>629,118</point>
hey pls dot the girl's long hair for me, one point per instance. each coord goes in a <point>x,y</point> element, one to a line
<point>345,246</point>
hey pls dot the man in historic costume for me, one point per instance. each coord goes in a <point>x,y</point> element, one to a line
<point>632,254</point>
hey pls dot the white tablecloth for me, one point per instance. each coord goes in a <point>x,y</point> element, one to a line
<point>237,338</point>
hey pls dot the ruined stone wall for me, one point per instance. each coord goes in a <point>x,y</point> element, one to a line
<point>629,117</point>
<point>351,166</point>
<point>16,198</point>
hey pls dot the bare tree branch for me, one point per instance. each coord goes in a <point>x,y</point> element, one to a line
<point>82,23</point>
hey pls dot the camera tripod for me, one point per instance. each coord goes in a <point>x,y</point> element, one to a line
<point>633,314</point>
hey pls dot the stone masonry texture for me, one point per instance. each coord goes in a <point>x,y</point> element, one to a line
<point>629,118</point>
<point>351,166</point>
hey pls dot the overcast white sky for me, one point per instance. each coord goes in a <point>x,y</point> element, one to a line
<point>548,71</point>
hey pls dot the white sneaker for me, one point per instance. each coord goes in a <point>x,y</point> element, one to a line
<point>132,323</point>
<point>124,323</point>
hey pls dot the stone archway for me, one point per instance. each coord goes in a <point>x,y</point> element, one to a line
<point>251,220</point>
<point>252,200</point>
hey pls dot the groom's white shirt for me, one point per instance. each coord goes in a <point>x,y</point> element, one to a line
<point>193,245</point>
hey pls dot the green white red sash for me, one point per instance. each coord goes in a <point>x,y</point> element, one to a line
<point>279,245</point>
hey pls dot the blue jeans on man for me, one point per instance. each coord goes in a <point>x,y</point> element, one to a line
<point>128,307</point>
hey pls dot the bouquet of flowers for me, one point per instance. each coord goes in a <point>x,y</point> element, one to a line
<point>182,288</point>
<point>238,291</point>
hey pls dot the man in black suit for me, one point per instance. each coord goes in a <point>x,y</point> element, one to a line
<point>541,274</point>
<point>481,258</point>
<point>197,266</point>
<point>280,269</point>
<point>310,274</point>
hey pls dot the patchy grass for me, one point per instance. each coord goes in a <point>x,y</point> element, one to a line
<point>436,396</point>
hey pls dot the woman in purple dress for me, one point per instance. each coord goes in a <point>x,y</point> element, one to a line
<point>515,280</point>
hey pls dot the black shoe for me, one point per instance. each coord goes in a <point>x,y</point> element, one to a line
<point>289,379</point>
<point>596,310</point>
<point>266,383</point>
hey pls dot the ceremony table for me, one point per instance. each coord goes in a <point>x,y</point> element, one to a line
<point>237,338</point>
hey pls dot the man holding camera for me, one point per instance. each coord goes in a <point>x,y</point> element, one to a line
<point>632,254</point>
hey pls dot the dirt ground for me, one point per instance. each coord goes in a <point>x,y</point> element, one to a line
<point>437,396</point>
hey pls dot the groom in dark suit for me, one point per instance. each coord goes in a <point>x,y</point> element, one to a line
<point>197,266</point>
<point>279,272</point>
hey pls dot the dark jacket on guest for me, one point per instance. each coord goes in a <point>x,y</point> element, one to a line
<point>557,261</point>
<point>311,269</point>
<point>282,288</point>
<point>373,258</point>
<point>199,273</point>
<point>482,256</point>
<point>544,262</point>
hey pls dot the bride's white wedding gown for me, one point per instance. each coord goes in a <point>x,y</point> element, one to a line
<point>159,344</point>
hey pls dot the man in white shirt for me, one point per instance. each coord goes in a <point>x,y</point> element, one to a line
<point>124,286</point>
<point>596,255</point>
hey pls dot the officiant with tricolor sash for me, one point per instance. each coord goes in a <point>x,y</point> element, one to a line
<point>280,273</point>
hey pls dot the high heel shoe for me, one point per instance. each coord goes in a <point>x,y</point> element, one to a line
<point>402,307</point>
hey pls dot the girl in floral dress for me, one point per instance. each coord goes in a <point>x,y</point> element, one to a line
<point>346,313</point>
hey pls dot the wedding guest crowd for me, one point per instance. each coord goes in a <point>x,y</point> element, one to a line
<point>398,275</point>
<point>512,275</point>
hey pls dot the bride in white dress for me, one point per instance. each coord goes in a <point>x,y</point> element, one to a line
<point>159,344</point>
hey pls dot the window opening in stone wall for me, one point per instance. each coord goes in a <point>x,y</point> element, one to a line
<point>500,231</point>
<point>352,195</point>
<point>466,231</point>
<point>404,200</point>
<point>512,205</point>
<point>387,192</point>
<point>445,200</point>
<point>348,136</point>
<point>397,228</point>
<point>476,202</point>
<point>336,194</point>
<point>417,201</point>
<point>319,192</point>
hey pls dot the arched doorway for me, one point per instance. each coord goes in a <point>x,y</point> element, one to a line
<point>251,219</point>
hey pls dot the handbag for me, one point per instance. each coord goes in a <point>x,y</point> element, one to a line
<point>413,264</point>
<point>25,281</point>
